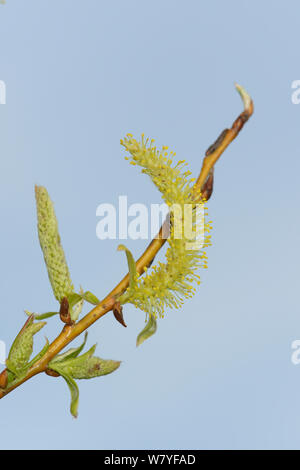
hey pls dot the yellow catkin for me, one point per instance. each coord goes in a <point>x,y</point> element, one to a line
<point>168,283</point>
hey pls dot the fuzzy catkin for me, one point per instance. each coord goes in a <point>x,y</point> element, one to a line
<point>168,284</point>
<point>54,255</point>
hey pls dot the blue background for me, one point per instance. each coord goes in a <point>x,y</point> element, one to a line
<point>79,76</point>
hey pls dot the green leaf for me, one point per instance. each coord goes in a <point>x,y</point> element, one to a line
<point>91,298</point>
<point>131,265</point>
<point>94,367</point>
<point>76,310</point>
<point>132,275</point>
<point>75,305</point>
<point>40,354</point>
<point>106,366</point>
<point>85,366</point>
<point>10,378</point>
<point>73,299</point>
<point>73,387</point>
<point>148,331</point>
<point>70,365</point>
<point>70,354</point>
<point>22,347</point>
<point>41,316</point>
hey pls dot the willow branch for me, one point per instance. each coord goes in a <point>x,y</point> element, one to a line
<point>203,186</point>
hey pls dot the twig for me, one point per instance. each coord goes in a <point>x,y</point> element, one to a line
<point>203,187</point>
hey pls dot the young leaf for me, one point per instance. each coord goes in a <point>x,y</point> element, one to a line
<point>131,265</point>
<point>70,354</point>
<point>85,366</point>
<point>73,299</point>
<point>95,367</point>
<point>132,275</point>
<point>10,377</point>
<point>75,304</point>
<point>73,387</point>
<point>40,354</point>
<point>99,367</point>
<point>22,347</point>
<point>69,366</point>
<point>148,331</point>
<point>91,298</point>
<point>76,310</point>
<point>41,316</point>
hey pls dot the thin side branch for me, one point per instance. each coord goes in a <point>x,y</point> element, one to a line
<point>204,187</point>
<point>227,136</point>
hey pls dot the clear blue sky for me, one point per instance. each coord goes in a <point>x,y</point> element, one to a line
<point>79,75</point>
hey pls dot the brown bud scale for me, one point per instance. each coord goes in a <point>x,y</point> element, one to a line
<point>3,379</point>
<point>118,313</point>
